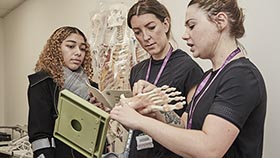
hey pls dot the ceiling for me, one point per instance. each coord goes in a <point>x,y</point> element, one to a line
<point>6,6</point>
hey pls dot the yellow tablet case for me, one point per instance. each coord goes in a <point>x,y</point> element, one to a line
<point>81,125</point>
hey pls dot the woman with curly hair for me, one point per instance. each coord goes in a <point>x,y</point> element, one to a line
<point>64,63</point>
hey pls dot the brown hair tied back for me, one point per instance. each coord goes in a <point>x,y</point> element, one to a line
<point>230,7</point>
<point>149,7</point>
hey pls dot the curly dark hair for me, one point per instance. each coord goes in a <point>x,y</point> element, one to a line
<point>51,59</point>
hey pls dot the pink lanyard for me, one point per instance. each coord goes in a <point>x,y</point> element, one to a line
<point>203,83</point>
<point>161,68</point>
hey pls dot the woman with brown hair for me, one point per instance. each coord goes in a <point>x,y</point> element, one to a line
<point>151,23</point>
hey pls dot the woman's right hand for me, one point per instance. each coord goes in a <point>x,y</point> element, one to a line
<point>141,104</point>
<point>126,115</point>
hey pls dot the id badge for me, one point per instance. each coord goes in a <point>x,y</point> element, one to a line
<point>144,142</point>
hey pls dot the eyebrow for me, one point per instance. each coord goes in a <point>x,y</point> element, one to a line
<point>72,41</point>
<point>150,23</point>
<point>145,25</point>
<point>186,23</point>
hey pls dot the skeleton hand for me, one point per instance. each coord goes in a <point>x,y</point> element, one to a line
<point>163,98</point>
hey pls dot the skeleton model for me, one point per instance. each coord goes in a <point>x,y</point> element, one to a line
<point>162,99</point>
<point>115,50</point>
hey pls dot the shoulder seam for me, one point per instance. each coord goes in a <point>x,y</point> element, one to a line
<point>44,78</point>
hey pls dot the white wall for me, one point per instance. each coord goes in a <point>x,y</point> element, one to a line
<point>2,73</point>
<point>262,42</point>
<point>28,27</point>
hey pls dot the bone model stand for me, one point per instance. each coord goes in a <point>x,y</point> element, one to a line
<point>163,99</point>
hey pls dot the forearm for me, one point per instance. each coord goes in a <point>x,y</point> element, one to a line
<point>187,143</point>
<point>170,118</point>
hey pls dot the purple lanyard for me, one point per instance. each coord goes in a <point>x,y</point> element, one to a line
<point>203,83</point>
<point>161,68</point>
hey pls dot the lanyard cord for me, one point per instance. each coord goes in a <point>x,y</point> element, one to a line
<point>161,68</point>
<point>203,83</point>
